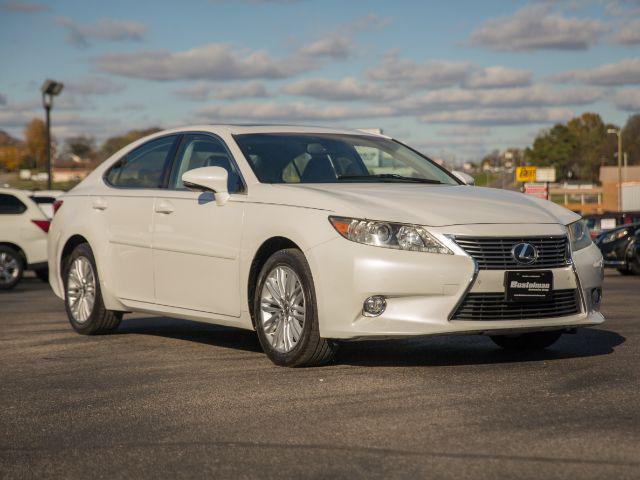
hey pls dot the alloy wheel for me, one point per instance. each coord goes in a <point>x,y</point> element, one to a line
<point>9,268</point>
<point>81,289</point>
<point>282,308</point>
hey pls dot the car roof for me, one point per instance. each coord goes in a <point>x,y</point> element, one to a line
<point>246,128</point>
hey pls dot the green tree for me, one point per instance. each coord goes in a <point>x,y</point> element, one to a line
<point>592,147</point>
<point>83,146</point>
<point>631,139</point>
<point>553,148</point>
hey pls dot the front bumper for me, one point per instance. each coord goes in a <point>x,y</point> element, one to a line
<point>423,290</point>
<point>613,253</point>
<point>614,263</point>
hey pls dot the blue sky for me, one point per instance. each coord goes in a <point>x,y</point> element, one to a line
<point>456,79</point>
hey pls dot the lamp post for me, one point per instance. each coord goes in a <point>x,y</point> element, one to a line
<point>50,89</point>
<point>618,132</point>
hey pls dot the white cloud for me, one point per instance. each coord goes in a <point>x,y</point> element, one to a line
<point>214,61</point>
<point>534,96</point>
<point>535,28</point>
<point>500,116</point>
<point>625,72</point>
<point>107,29</point>
<point>433,73</point>
<point>304,112</point>
<point>333,46</point>
<point>241,90</point>
<point>628,33</point>
<point>3,99</point>
<point>219,61</point>
<point>11,118</point>
<point>23,7</point>
<point>628,100</point>
<point>195,92</point>
<point>345,89</point>
<point>202,91</point>
<point>370,22</point>
<point>623,8</point>
<point>498,77</point>
<point>464,130</point>
<point>394,70</point>
<point>93,85</point>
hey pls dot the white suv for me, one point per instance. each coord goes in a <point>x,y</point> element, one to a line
<point>23,237</point>
<point>312,235</point>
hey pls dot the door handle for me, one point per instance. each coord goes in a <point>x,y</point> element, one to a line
<point>99,204</point>
<point>164,207</point>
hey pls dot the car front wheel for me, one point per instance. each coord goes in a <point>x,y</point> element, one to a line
<point>83,298</point>
<point>11,268</point>
<point>285,312</point>
<point>527,341</point>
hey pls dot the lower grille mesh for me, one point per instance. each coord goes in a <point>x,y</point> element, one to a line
<point>493,306</point>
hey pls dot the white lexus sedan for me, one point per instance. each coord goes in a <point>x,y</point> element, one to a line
<point>314,235</point>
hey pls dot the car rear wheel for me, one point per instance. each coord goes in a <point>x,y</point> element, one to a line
<point>11,267</point>
<point>285,312</point>
<point>527,341</point>
<point>634,264</point>
<point>83,298</point>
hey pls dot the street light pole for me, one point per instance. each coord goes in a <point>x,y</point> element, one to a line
<point>618,132</point>
<point>47,116</point>
<point>50,89</point>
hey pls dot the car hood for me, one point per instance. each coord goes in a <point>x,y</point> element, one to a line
<point>432,205</point>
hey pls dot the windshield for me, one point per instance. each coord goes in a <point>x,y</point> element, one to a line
<point>334,158</point>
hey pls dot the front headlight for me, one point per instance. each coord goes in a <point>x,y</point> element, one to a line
<point>389,235</point>
<point>613,236</point>
<point>579,235</point>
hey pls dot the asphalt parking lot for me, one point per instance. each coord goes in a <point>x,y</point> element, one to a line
<point>170,398</point>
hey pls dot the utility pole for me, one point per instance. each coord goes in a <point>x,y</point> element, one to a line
<point>47,116</point>
<point>49,89</point>
<point>625,166</point>
<point>618,132</point>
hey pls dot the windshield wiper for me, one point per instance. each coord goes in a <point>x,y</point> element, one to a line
<point>389,176</point>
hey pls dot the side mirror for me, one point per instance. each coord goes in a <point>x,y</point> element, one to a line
<point>464,177</point>
<point>208,179</point>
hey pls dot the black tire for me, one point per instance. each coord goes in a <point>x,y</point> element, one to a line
<point>100,321</point>
<point>13,256</point>
<point>527,342</point>
<point>311,349</point>
<point>624,271</point>
<point>634,264</point>
<point>42,274</point>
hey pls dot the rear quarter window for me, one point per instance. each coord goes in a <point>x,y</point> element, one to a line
<point>11,205</point>
<point>143,167</point>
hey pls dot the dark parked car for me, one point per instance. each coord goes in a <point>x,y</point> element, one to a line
<point>620,248</point>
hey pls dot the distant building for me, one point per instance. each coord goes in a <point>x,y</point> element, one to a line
<point>65,175</point>
<point>580,197</point>
<point>609,181</point>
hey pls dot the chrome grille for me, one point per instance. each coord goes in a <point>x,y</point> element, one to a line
<point>493,253</point>
<point>494,306</point>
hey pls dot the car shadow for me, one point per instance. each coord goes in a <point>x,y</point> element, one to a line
<point>472,350</point>
<point>191,331</point>
<point>447,350</point>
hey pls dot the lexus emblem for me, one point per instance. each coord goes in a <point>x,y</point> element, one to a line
<point>524,253</point>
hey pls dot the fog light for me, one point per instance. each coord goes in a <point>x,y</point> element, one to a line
<point>374,306</point>
<point>596,298</point>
